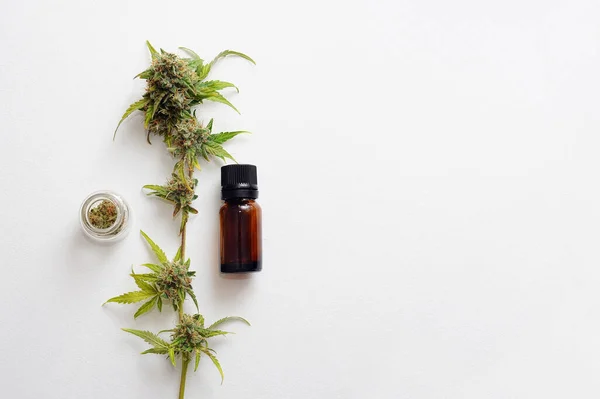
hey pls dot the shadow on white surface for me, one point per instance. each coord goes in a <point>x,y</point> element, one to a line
<point>84,253</point>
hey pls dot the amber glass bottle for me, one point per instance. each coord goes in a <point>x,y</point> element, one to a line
<point>241,224</point>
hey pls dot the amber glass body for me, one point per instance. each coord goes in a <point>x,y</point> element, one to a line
<point>241,236</point>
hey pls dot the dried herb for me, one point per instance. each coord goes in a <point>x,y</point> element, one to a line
<point>103,215</point>
<point>175,86</point>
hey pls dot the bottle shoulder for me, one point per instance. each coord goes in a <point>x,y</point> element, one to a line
<point>243,205</point>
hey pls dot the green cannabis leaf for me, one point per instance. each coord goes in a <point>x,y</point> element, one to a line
<point>175,87</point>
<point>228,319</point>
<point>210,148</point>
<point>220,138</point>
<point>151,338</point>
<point>160,254</point>
<point>146,307</point>
<point>136,106</point>
<point>131,297</point>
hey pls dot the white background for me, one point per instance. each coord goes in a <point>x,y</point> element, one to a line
<point>429,180</point>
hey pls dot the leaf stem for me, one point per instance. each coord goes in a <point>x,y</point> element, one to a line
<point>184,369</point>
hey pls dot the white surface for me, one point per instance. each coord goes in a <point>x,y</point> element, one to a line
<point>428,174</point>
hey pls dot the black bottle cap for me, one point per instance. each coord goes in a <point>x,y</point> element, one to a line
<point>239,181</point>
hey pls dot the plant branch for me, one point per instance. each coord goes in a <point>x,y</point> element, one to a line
<point>183,237</point>
<point>184,369</point>
<point>173,118</point>
<point>184,214</point>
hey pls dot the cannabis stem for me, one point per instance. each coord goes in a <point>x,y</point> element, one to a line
<point>185,212</point>
<point>183,238</point>
<point>184,368</point>
<point>184,220</point>
<point>174,87</point>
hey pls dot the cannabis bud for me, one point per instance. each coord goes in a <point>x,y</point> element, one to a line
<point>190,337</point>
<point>103,215</point>
<point>174,281</point>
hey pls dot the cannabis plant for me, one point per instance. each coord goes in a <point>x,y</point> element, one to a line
<point>175,86</point>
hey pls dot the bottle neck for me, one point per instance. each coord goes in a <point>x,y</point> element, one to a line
<point>238,200</point>
<point>247,193</point>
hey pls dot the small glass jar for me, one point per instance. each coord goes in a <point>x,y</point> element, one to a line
<point>118,229</point>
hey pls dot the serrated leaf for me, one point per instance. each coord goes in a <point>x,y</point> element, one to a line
<point>157,102</point>
<point>153,267</point>
<point>149,115</point>
<point>227,319</point>
<point>157,351</point>
<point>142,284</point>
<point>177,255</point>
<point>192,53</point>
<point>194,64</point>
<point>197,360</point>
<point>155,187</point>
<point>225,53</point>
<point>156,249</point>
<point>193,296</point>
<point>206,333</point>
<point>217,97</point>
<point>172,355</point>
<point>215,362</point>
<point>218,85</point>
<point>196,164</point>
<point>159,303</point>
<point>217,150</point>
<point>138,105</point>
<point>146,307</point>
<point>149,337</point>
<point>220,138</point>
<point>204,153</point>
<point>144,74</point>
<point>153,51</point>
<point>210,125</point>
<point>131,297</point>
<point>203,71</point>
<point>151,277</point>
